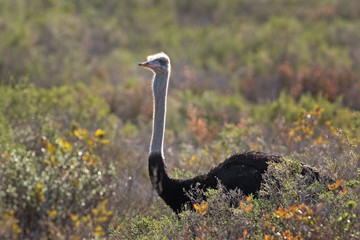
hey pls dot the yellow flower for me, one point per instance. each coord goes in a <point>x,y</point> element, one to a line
<point>267,224</point>
<point>98,231</point>
<point>64,144</point>
<point>85,218</point>
<point>319,140</point>
<point>81,133</point>
<point>101,219</point>
<point>95,211</point>
<point>105,141</point>
<point>92,162</point>
<point>39,187</point>
<point>100,133</point>
<point>52,213</point>
<point>86,157</point>
<point>6,154</point>
<point>74,217</point>
<point>268,237</point>
<point>51,149</point>
<point>291,132</point>
<point>90,143</point>
<point>52,160</point>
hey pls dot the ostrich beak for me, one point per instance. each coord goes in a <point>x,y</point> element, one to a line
<point>148,64</point>
<point>143,64</point>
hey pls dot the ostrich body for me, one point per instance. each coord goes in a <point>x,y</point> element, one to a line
<point>243,171</point>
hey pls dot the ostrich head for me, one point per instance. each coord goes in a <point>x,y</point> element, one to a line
<point>159,63</point>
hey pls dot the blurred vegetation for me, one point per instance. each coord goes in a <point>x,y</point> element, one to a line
<point>75,116</point>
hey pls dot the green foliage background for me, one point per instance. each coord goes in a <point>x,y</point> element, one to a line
<point>75,113</point>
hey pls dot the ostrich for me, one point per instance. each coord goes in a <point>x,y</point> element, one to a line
<point>240,171</point>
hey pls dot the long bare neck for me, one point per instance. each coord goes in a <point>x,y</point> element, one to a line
<point>160,87</point>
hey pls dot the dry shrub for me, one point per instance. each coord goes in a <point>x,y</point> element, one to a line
<point>130,102</point>
<point>200,127</point>
<point>337,157</point>
<point>261,87</point>
<point>188,77</point>
<point>326,12</point>
<point>331,82</point>
<point>286,75</point>
<point>9,225</point>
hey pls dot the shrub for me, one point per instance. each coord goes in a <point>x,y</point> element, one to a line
<point>66,180</point>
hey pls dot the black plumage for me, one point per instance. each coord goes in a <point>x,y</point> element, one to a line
<point>243,171</point>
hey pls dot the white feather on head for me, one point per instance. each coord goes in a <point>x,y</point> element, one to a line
<point>158,55</point>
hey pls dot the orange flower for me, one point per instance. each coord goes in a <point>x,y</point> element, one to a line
<point>268,237</point>
<point>335,185</point>
<point>201,208</point>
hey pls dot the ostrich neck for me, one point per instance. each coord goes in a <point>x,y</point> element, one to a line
<point>159,176</point>
<point>160,86</point>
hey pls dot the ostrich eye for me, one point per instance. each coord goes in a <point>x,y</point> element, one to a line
<point>162,62</point>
